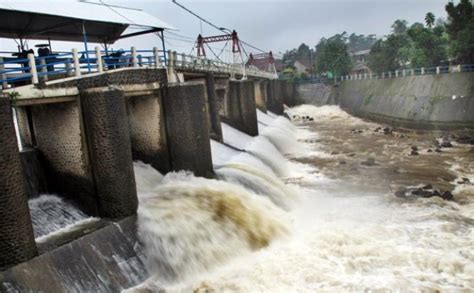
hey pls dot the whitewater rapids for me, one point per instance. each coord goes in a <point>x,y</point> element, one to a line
<point>288,216</point>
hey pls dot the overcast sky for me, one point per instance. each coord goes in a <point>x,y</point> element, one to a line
<point>274,25</point>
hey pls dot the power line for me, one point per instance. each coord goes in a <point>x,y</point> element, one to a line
<point>222,29</point>
<point>196,15</point>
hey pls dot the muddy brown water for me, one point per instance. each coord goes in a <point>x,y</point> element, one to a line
<point>362,153</point>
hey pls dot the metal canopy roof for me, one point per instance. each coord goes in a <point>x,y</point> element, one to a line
<point>63,21</point>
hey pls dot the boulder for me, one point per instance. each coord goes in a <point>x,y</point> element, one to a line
<point>446,144</point>
<point>447,195</point>
<point>369,162</point>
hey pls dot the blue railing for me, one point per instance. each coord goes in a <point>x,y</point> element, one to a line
<point>16,71</point>
<point>36,69</point>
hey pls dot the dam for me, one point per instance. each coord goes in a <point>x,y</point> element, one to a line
<point>171,173</point>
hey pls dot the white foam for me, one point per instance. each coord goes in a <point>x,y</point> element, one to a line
<point>264,118</point>
<point>234,137</point>
<point>221,153</point>
<point>51,214</point>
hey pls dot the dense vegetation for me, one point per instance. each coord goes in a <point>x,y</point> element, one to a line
<point>433,43</point>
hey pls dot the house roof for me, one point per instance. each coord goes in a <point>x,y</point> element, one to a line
<point>63,21</point>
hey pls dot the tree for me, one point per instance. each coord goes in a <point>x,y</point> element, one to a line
<point>385,54</point>
<point>460,28</point>
<point>360,42</point>
<point>430,19</point>
<point>428,46</point>
<point>332,56</point>
<point>399,26</point>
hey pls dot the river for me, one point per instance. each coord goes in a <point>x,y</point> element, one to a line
<point>312,207</point>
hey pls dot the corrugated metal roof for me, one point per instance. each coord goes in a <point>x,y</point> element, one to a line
<point>87,11</point>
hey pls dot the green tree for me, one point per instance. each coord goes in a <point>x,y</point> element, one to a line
<point>400,26</point>
<point>357,42</point>
<point>430,19</point>
<point>460,28</point>
<point>428,46</point>
<point>389,54</point>
<point>332,56</point>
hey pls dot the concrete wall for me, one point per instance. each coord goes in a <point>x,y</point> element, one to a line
<point>288,93</point>
<point>34,173</point>
<point>317,94</point>
<point>424,102</point>
<point>275,97</point>
<point>187,127</point>
<point>240,110</point>
<point>108,140</point>
<point>107,260</point>
<point>16,232</point>
<point>147,131</point>
<point>60,139</point>
<point>212,102</point>
<point>261,95</point>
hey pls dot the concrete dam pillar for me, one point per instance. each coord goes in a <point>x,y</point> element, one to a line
<point>107,129</point>
<point>240,110</point>
<point>147,131</point>
<point>260,95</point>
<point>288,93</point>
<point>213,108</point>
<point>275,97</point>
<point>187,129</point>
<point>17,242</point>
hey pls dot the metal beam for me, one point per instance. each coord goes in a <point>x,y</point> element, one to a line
<point>141,33</point>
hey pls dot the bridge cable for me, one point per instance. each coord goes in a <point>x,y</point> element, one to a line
<point>222,29</point>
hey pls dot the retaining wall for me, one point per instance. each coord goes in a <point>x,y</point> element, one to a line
<point>443,101</point>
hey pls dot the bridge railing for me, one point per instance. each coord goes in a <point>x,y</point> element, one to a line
<point>15,71</point>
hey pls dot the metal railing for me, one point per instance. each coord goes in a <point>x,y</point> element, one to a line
<point>411,72</point>
<point>34,69</point>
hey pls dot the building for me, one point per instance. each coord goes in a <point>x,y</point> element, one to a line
<point>302,66</point>
<point>360,62</point>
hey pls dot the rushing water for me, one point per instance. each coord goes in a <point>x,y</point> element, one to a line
<point>52,215</point>
<point>298,211</point>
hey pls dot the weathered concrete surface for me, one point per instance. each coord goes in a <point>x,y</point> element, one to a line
<point>423,102</point>
<point>212,102</point>
<point>24,127</point>
<point>275,97</point>
<point>60,139</point>
<point>107,260</point>
<point>35,180</point>
<point>187,127</point>
<point>288,93</point>
<point>108,137</point>
<point>17,242</point>
<point>240,110</point>
<point>261,95</point>
<point>147,131</point>
<point>317,94</point>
